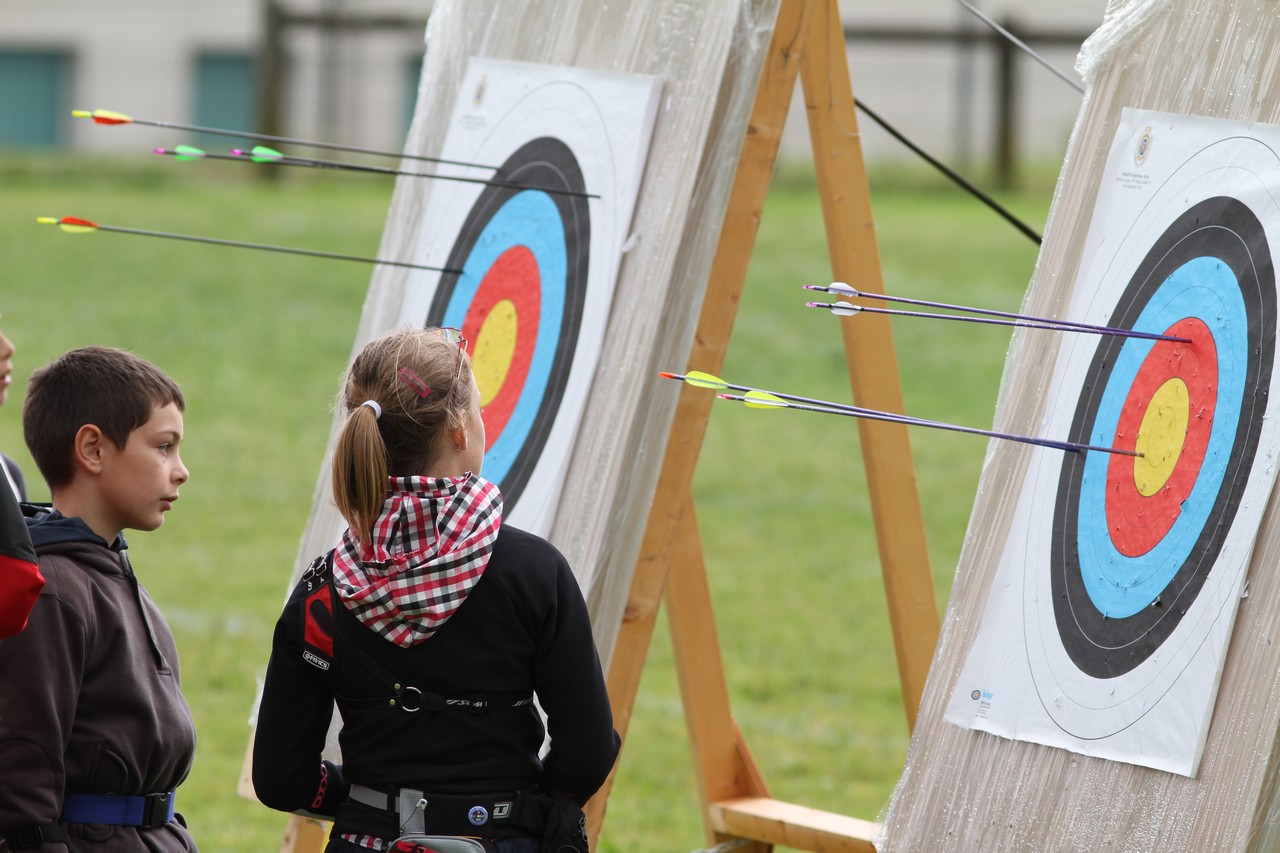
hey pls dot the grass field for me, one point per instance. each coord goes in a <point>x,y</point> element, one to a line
<point>258,342</point>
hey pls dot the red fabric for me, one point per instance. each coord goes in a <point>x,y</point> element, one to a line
<point>20,584</point>
<point>318,628</point>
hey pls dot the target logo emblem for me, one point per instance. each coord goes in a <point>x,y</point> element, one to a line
<point>1143,148</point>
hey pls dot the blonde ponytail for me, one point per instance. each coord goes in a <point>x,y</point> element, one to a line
<point>360,471</point>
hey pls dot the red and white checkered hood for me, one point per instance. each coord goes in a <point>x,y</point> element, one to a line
<point>429,547</point>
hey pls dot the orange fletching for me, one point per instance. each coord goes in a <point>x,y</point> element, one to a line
<point>76,225</point>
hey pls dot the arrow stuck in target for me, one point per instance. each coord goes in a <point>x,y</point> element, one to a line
<point>757,398</point>
<point>263,155</point>
<point>113,118</point>
<point>989,316</point>
<point>76,225</point>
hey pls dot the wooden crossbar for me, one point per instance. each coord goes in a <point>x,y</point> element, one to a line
<point>790,825</point>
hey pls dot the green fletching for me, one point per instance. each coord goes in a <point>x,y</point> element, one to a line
<point>263,154</point>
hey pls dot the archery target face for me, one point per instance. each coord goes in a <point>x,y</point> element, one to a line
<point>1119,583</point>
<point>538,251</point>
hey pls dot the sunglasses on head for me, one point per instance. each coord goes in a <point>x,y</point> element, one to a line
<point>453,336</point>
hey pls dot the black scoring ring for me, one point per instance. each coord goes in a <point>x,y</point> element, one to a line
<point>1103,647</point>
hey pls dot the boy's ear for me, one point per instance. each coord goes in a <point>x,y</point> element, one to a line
<point>88,448</point>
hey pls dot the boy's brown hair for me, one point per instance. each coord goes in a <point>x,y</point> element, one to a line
<point>114,390</point>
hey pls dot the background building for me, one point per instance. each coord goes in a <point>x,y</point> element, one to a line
<point>346,71</point>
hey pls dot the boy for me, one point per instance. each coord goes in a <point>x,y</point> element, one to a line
<point>94,731</point>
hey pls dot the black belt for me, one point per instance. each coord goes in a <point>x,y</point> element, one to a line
<point>409,698</point>
<point>415,811</point>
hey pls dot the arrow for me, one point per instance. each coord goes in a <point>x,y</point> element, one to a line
<point>1017,42</point>
<point>263,154</point>
<point>76,225</point>
<point>846,309</point>
<point>110,117</point>
<point>758,398</point>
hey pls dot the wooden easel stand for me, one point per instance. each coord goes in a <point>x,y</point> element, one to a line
<point>808,40</point>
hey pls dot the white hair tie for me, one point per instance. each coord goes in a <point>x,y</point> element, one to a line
<point>373,404</point>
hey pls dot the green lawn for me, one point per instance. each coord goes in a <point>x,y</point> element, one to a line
<point>258,342</point>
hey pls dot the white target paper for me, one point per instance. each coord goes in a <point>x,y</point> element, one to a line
<point>1113,601</point>
<point>539,249</point>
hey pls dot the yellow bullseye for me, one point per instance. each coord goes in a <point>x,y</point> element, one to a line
<point>1161,436</point>
<point>494,349</point>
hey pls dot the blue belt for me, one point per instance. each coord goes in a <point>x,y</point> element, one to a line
<point>146,810</point>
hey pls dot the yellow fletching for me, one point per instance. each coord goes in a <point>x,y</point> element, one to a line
<point>698,379</point>
<point>103,116</point>
<point>70,224</point>
<point>763,400</point>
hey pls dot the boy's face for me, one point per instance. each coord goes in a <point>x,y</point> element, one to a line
<point>140,481</point>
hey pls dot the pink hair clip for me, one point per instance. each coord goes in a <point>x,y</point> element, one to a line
<point>414,381</point>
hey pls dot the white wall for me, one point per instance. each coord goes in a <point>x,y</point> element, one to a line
<point>137,56</point>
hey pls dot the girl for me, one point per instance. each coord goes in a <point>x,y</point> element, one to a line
<point>432,625</point>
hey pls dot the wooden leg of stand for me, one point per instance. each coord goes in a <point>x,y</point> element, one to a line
<point>873,366</point>
<point>304,835</point>
<point>711,341</point>
<point>722,764</point>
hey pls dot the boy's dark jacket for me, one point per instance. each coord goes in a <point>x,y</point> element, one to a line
<point>89,694</point>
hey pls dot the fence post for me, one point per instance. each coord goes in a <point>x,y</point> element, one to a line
<point>1006,110</point>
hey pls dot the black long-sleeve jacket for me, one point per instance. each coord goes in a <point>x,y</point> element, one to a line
<point>522,629</point>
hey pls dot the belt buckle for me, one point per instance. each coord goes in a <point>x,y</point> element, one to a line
<point>157,809</point>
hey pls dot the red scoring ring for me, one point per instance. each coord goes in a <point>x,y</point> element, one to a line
<point>512,276</point>
<point>1138,523</point>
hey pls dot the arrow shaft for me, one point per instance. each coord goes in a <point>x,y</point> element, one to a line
<point>1021,45</point>
<point>1047,322</point>
<point>383,170</point>
<point>809,404</point>
<point>843,407</point>
<point>889,417</point>
<point>311,143</point>
<point>1051,325</point>
<point>285,249</point>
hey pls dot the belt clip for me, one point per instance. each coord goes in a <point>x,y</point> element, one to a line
<point>415,821</point>
<point>157,809</point>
